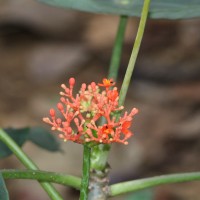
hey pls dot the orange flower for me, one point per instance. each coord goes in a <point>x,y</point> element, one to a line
<point>81,113</point>
<point>107,83</point>
<point>125,126</point>
<point>107,129</point>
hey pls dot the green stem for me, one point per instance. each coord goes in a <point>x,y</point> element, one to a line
<point>132,186</point>
<point>115,189</point>
<point>100,153</point>
<point>86,173</point>
<point>117,49</point>
<point>134,53</point>
<point>42,176</point>
<point>28,163</point>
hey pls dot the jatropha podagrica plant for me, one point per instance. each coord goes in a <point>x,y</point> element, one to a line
<point>81,114</point>
<point>92,117</point>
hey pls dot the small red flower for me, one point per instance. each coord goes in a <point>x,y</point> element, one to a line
<point>81,113</point>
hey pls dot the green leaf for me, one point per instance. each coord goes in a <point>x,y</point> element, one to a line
<point>38,135</point>
<point>44,139</point>
<point>168,9</point>
<point>18,135</point>
<point>3,190</point>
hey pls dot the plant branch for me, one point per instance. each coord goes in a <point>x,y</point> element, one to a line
<point>134,54</point>
<point>117,49</point>
<point>42,176</point>
<point>28,163</point>
<point>132,186</point>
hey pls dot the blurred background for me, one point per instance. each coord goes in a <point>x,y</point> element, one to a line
<point>42,46</point>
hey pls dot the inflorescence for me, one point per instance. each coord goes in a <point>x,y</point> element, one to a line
<point>82,113</point>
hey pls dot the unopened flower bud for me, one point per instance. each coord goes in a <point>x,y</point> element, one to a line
<point>87,140</point>
<point>62,99</point>
<point>59,121</point>
<point>83,86</point>
<point>46,119</point>
<point>71,81</point>
<point>126,143</point>
<point>76,121</point>
<point>60,106</point>
<point>52,112</point>
<point>93,85</point>
<point>69,130</point>
<point>63,86</point>
<point>134,111</point>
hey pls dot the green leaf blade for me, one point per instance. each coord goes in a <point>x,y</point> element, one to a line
<point>3,190</point>
<point>37,135</point>
<point>170,9</point>
<point>44,139</point>
<point>18,135</point>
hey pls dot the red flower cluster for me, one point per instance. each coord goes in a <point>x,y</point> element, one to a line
<point>82,113</point>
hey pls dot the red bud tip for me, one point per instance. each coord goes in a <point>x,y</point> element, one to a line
<point>60,106</point>
<point>93,85</point>
<point>69,130</point>
<point>134,111</point>
<point>84,86</point>
<point>59,121</point>
<point>62,99</point>
<point>72,81</point>
<point>52,112</point>
<point>76,120</point>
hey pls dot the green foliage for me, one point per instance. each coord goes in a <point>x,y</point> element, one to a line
<point>3,190</point>
<point>18,135</point>
<point>170,9</point>
<point>44,139</point>
<point>39,136</point>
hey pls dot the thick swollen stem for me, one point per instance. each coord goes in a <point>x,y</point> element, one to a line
<point>99,188</point>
